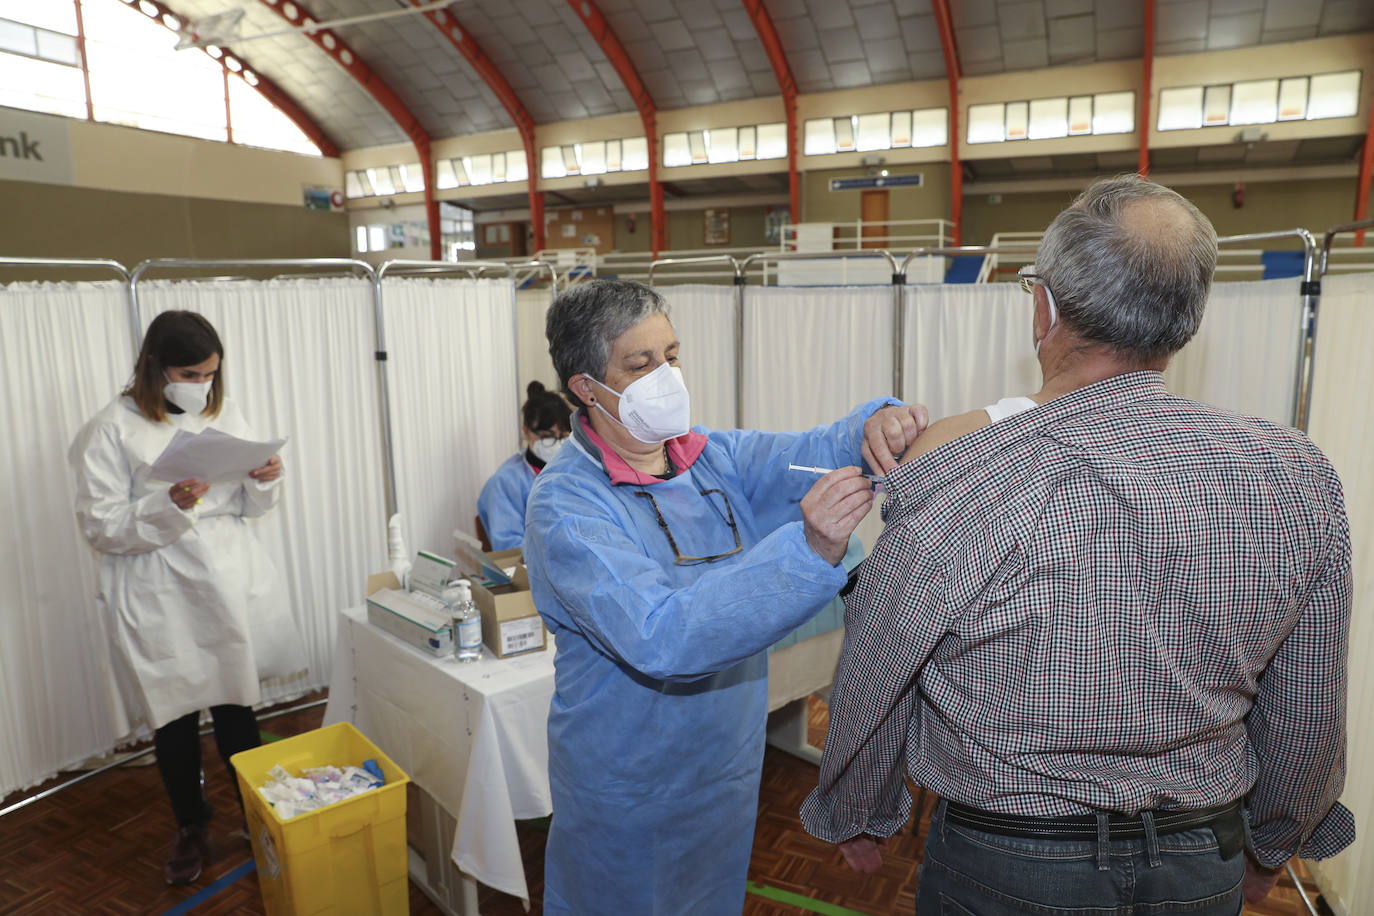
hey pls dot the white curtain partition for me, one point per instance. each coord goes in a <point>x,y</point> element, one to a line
<point>298,358</point>
<point>455,402</point>
<point>66,352</point>
<point>704,318</point>
<point>967,346</point>
<point>1342,425</point>
<point>1244,357</point>
<point>812,353</point>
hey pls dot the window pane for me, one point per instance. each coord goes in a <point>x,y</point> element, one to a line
<point>1254,102</point>
<point>723,144</point>
<point>1180,109</point>
<point>1293,99</point>
<point>594,158</point>
<point>696,143</point>
<point>901,129</point>
<point>819,137</point>
<point>38,85</point>
<point>498,167</point>
<point>412,177</point>
<point>1017,116</point>
<point>675,151</point>
<point>479,168</point>
<point>137,78</point>
<point>381,181</point>
<point>444,178</point>
<point>376,238</point>
<point>612,155</point>
<point>875,131</point>
<point>986,123</point>
<point>398,178</point>
<point>517,169</point>
<point>1334,95</point>
<point>60,48</point>
<point>1049,118</point>
<point>1114,113</point>
<point>58,15</point>
<point>551,165</point>
<point>360,238</point>
<point>772,141</point>
<point>354,188</point>
<point>18,38</point>
<point>930,127</point>
<point>460,171</point>
<point>1080,115</point>
<point>747,142</point>
<point>572,162</point>
<point>257,122</point>
<point>1216,105</point>
<point>635,154</point>
<point>844,134</point>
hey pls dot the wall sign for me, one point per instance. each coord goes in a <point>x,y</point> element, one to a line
<point>877,181</point>
<point>35,147</point>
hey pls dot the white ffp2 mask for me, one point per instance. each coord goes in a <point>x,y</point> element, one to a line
<point>654,408</point>
<point>544,449</point>
<point>189,396</point>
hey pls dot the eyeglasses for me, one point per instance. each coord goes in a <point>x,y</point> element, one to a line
<point>728,518</point>
<point>1028,278</point>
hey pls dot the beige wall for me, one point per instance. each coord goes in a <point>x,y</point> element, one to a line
<point>930,201</point>
<point>1270,205</point>
<point>686,229</point>
<point>68,222</point>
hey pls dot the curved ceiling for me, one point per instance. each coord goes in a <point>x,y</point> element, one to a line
<point>703,52</point>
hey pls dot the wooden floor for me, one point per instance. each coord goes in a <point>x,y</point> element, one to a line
<point>98,848</point>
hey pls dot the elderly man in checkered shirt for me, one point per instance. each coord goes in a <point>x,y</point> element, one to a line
<point>1106,625</point>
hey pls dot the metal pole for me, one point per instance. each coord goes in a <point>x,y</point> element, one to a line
<point>739,282</point>
<point>97,263</point>
<point>898,331</point>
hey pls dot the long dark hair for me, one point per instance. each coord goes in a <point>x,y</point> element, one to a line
<point>545,409</point>
<point>175,339</point>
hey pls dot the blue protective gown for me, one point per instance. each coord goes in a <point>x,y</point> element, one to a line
<point>656,729</point>
<point>501,505</point>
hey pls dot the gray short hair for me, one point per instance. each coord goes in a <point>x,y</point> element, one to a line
<point>584,321</point>
<point>1130,265</point>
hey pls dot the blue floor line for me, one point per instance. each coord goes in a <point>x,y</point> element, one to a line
<point>201,896</point>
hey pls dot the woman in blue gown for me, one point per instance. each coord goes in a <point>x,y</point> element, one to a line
<point>501,505</point>
<point>666,560</point>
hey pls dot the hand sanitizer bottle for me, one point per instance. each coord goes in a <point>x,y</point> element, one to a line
<point>467,621</point>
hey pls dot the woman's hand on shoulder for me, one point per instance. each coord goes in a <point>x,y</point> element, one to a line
<point>269,471</point>
<point>890,432</point>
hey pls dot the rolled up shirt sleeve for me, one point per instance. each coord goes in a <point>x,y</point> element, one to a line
<point>1297,727</point>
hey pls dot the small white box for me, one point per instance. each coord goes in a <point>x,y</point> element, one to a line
<point>398,613</point>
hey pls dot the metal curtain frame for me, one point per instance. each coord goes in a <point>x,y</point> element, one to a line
<point>1309,290</point>
<point>95,263</point>
<point>361,267</point>
<point>738,270</point>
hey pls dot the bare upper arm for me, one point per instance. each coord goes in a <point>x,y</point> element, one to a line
<point>946,430</point>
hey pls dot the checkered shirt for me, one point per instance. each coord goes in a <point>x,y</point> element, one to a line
<point>1119,600</point>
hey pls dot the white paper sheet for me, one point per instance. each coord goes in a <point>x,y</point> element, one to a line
<point>212,456</point>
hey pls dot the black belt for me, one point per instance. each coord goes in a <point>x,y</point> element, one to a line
<point>1225,819</point>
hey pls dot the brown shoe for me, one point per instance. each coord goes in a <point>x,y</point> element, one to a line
<point>188,856</point>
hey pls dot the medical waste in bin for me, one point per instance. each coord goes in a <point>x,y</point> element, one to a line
<point>346,858</point>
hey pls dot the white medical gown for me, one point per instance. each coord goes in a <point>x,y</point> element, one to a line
<point>192,606</point>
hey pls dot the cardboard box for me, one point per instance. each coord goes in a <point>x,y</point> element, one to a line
<point>397,612</point>
<point>487,568</point>
<point>510,623</point>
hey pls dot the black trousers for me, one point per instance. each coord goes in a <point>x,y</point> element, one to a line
<point>178,757</point>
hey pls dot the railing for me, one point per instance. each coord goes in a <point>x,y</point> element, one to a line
<point>993,270</point>
<point>861,235</point>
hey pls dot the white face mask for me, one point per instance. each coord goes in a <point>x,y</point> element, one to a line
<point>1054,319</point>
<point>654,408</point>
<point>545,449</point>
<point>189,396</point>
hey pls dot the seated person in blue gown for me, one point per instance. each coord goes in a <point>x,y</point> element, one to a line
<point>502,503</point>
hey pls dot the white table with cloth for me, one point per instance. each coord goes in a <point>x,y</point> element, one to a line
<point>473,738</point>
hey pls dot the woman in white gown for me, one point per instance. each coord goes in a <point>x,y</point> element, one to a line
<point>193,609</point>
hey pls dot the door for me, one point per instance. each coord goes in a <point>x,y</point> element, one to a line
<point>873,215</point>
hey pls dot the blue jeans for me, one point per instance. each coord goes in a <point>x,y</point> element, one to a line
<point>970,873</point>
